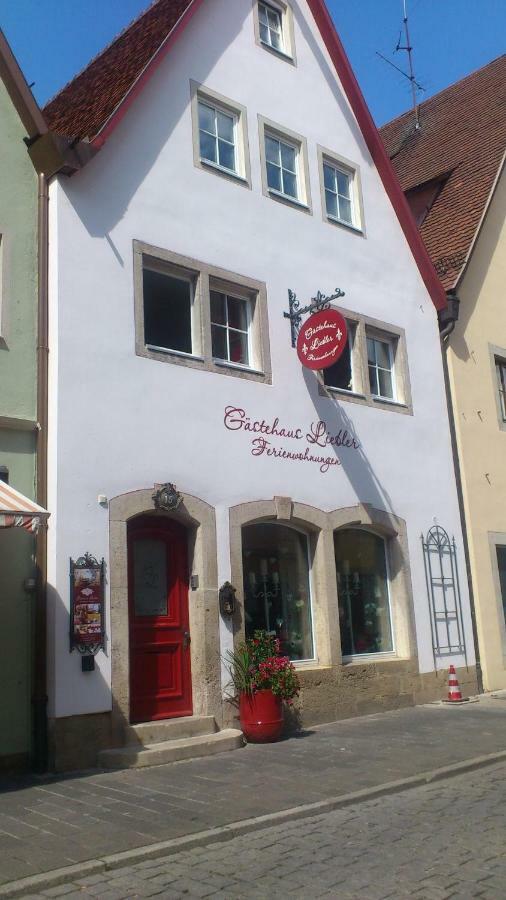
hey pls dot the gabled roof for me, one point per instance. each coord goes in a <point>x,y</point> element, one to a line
<point>94,102</point>
<point>461,141</point>
<point>19,92</point>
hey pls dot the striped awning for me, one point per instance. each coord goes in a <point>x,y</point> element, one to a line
<point>16,510</point>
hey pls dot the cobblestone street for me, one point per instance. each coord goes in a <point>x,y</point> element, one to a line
<point>446,840</point>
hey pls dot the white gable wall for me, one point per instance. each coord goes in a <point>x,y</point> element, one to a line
<point>121,422</point>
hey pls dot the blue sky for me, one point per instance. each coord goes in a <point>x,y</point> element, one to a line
<point>54,40</point>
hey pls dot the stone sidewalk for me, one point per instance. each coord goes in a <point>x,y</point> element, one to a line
<point>50,823</point>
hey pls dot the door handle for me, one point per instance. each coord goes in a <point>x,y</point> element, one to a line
<point>186,640</point>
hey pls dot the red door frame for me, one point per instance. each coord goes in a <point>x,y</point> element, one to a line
<point>160,665</point>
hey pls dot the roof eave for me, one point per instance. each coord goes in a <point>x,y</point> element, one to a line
<point>19,92</point>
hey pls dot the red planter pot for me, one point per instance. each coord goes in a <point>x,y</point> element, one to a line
<point>261,717</point>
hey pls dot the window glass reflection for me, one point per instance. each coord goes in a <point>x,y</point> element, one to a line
<point>362,584</point>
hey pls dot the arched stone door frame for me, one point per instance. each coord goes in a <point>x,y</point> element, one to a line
<point>199,520</point>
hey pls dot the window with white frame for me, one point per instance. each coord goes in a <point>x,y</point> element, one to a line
<point>230,328</point>
<point>282,167</point>
<point>342,375</point>
<point>217,136</point>
<point>380,361</point>
<point>500,369</point>
<point>195,314</point>
<point>168,310</point>
<point>338,194</point>
<point>270,26</point>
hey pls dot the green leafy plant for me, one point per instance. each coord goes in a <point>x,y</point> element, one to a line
<point>256,665</point>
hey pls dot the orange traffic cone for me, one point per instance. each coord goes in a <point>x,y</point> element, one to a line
<point>454,692</point>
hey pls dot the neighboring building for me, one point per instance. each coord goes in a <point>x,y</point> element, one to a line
<point>18,416</point>
<point>452,172</point>
<point>235,159</point>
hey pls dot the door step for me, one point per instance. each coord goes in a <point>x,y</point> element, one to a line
<point>158,754</point>
<point>169,729</point>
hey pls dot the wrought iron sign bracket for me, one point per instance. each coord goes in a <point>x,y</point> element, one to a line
<point>317,304</point>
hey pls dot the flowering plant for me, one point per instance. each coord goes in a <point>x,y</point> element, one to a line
<point>256,665</point>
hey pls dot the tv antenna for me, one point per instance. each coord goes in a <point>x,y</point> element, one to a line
<point>407,48</point>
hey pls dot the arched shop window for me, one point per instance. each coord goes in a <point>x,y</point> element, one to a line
<point>362,585</point>
<point>276,586</point>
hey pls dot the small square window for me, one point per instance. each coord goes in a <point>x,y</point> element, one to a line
<point>168,301</point>
<point>380,360</point>
<point>341,375</point>
<point>273,21</point>
<point>230,328</point>
<point>217,136</point>
<point>500,369</point>
<point>285,173</point>
<point>338,194</point>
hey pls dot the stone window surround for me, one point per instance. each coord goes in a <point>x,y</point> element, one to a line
<point>320,527</point>
<point>201,92</point>
<point>498,539</point>
<point>362,393</point>
<point>353,170</point>
<point>281,133</point>
<point>204,277</point>
<point>199,520</point>
<point>500,353</point>
<point>287,29</point>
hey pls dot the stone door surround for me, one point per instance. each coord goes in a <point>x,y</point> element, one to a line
<point>199,520</point>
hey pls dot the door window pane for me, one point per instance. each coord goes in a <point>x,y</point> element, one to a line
<point>150,577</point>
<point>276,587</point>
<point>167,311</point>
<point>362,584</point>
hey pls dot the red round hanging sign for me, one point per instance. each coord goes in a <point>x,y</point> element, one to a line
<point>322,339</point>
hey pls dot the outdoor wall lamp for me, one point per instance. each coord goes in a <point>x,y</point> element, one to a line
<point>227,599</point>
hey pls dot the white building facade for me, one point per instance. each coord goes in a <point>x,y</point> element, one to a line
<point>239,172</point>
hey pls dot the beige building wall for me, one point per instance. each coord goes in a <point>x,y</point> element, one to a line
<point>480,334</point>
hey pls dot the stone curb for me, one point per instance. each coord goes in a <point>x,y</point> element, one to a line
<point>35,883</point>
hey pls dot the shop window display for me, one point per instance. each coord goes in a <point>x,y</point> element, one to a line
<point>276,587</point>
<point>362,584</point>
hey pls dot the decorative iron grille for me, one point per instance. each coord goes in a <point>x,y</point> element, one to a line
<point>443,591</point>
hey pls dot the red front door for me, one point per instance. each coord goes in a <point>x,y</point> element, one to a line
<point>160,676</point>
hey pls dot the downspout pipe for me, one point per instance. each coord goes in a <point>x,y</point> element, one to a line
<point>448,318</point>
<point>39,691</point>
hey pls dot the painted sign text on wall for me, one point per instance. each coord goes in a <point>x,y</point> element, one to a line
<point>316,436</point>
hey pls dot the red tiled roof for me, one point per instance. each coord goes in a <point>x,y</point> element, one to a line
<point>85,104</point>
<point>462,138</point>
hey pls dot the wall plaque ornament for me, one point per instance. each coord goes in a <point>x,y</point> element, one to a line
<point>322,339</point>
<point>167,497</point>
<point>87,621</point>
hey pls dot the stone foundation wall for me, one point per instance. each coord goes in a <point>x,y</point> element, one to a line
<point>327,695</point>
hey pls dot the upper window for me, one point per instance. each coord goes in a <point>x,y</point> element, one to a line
<point>220,136</point>
<point>277,595</point>
<point>285,174</point>
<point>230,328</point>
<point>190,313</point>
<point>271,31</point>
<point>217,134</point>
<point>282,167</point>
<point>274,27</point>
<point>342,374</point>
<point>380,360</point>
<point>168,310</point>
<point>500,369</point>
<point>362,586</point>
<point>340,190</point>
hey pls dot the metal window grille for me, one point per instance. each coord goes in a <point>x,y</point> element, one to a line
<point>443,591</point>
